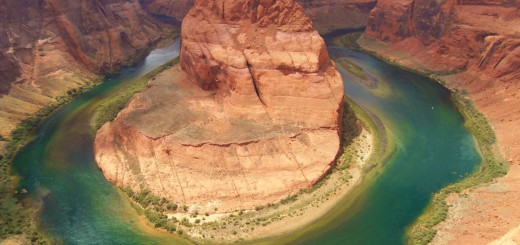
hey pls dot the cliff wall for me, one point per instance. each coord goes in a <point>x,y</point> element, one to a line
<point>252,117</point>
<point>473,46</point>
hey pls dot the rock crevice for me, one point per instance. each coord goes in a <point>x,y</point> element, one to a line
<point>251,118</point>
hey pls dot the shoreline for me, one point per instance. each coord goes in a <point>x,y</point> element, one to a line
<point>13,204</point>
<point>360,145</point>
<point>297,208</point>
<point>492,166</point>
<point>308,205</point>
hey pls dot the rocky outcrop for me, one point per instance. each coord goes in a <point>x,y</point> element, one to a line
<point>451,36</point>
<point>473,46</point>
<point>252,118</point>
<point>331,15</point>
<point>48,47</point>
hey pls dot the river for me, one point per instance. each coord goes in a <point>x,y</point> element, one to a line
<point>432,149</point>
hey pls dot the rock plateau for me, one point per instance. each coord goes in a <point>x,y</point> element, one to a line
<point>473,46</point>
<point>252,117</point>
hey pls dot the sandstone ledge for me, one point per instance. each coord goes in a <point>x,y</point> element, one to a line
<point>201,156</point>
<point>252,117</point>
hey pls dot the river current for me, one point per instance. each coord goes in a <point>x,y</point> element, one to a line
<point>432,149</point>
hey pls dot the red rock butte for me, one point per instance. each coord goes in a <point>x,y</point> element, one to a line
<point>252,117</point>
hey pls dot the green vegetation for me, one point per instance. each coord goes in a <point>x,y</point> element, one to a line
<point>154,208</point>
<point>108,110</point>
<point>423,232</point>
<point>354,119</point>
<point>147,200</point>
<point>16,215</point>
<point>289,199</point>
<point>349,40</point>
<point>354,69</point>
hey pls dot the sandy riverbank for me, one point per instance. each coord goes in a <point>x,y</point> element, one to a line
<point>294,212</point>
<point>489,212</point>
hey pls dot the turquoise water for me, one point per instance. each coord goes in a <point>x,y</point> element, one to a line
<point>432,149</point>
<point>79,206</point>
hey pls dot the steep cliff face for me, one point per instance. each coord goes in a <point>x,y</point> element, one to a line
<point>171,10</point>
<point>463,34</point>
<point>330,15</point>
<point>326,15</point>
<point>473,46</point>
<point>252,118</point>
<point>48,47</point>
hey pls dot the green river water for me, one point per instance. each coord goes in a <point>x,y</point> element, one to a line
<point>432,149</point>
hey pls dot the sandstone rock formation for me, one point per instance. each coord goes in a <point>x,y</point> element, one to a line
<point>330,15</point>
<point>48,47</point>
<point>474,46</point>
<point>252,118</point>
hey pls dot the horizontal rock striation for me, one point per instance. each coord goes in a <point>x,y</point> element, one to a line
<point>252,118</point>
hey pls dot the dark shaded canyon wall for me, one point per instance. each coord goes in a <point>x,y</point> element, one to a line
<point>331,15</point>
<point>327,15</point>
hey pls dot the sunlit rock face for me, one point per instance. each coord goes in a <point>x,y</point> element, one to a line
<point>475,47</point>
<point>478,36</point>
<point>252,117</point>
<point>49,47</point>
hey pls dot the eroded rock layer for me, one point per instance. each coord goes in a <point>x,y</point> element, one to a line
<point>252,118</point>
<point>48,47</point>
<point>473,46</point>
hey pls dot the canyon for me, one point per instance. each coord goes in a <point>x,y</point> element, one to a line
<point>326,15</point>
<point>473,47</point>
<point>252,113</point>
<point>48,48</point>
<point>329,15</point>
<point>252,118</point>
<point>53,47</point>
<point>171,10</point>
